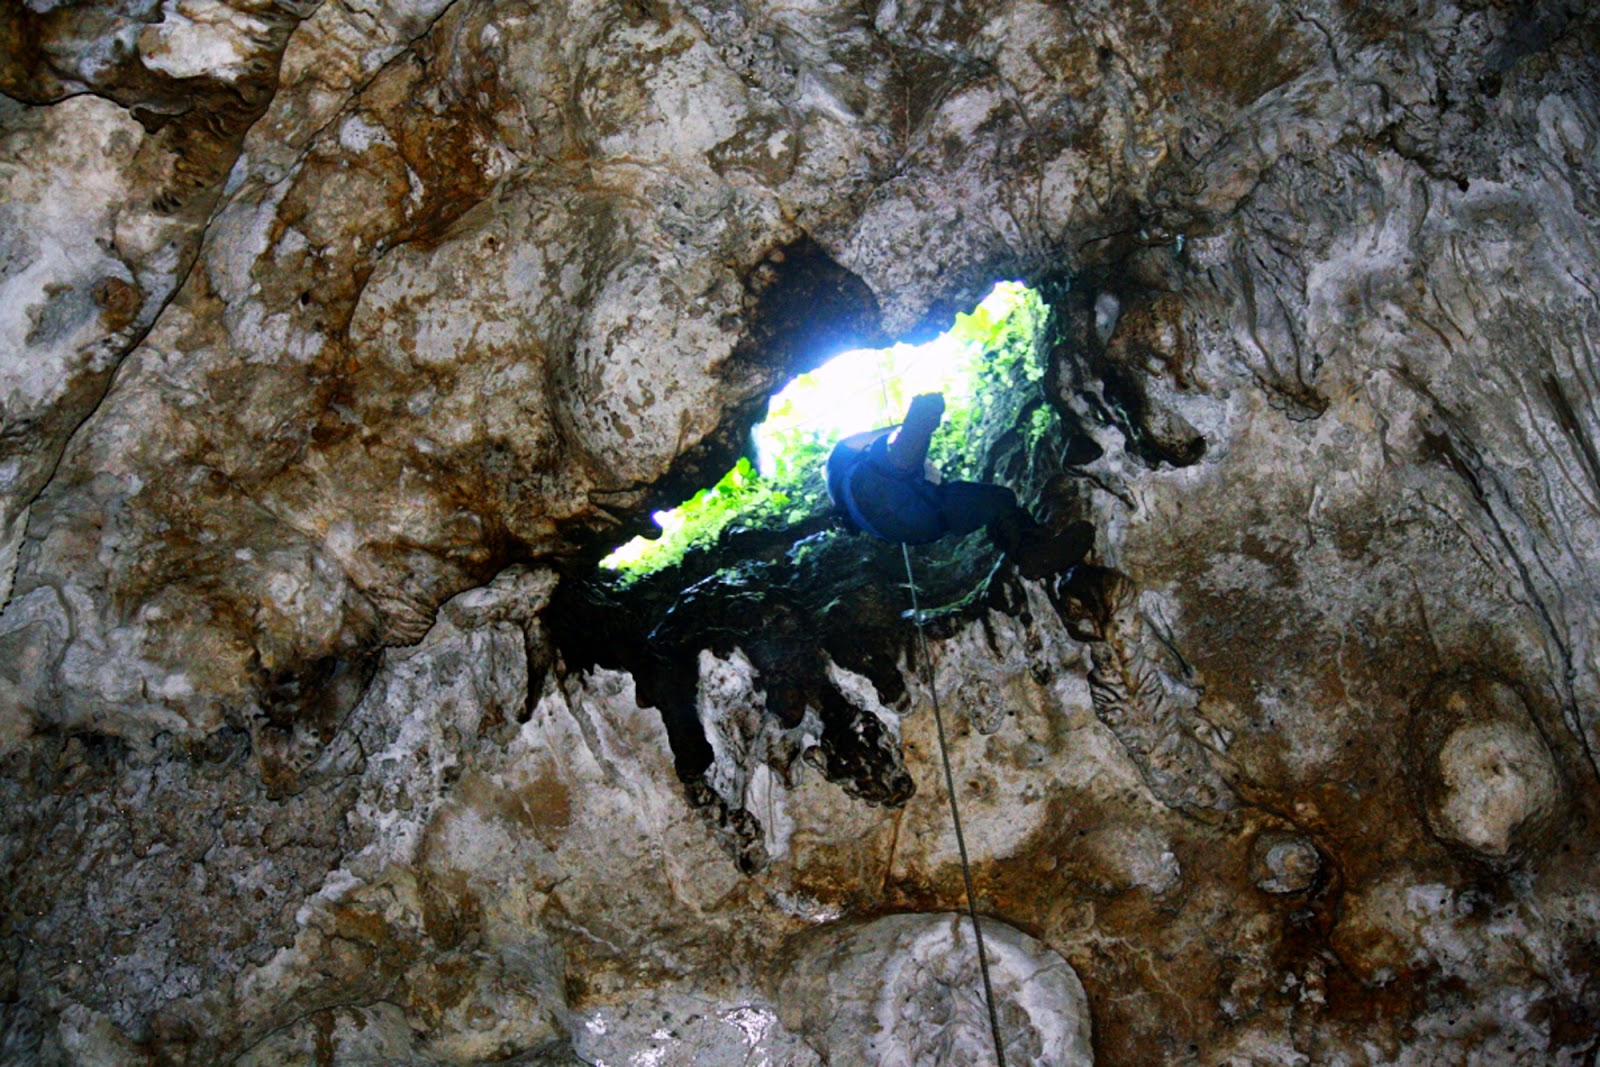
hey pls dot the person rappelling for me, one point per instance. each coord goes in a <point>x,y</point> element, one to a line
<point>882,483</point>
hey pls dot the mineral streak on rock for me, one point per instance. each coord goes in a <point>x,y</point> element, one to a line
<point>337,339</point>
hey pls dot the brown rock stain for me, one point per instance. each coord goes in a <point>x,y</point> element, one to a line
<point>543,806</point>
<point>1239,51</point>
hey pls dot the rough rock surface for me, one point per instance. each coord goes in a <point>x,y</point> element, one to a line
<point>338,339</point>
<point>905,990</point>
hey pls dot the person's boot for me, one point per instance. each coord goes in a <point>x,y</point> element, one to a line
<point>1035,549</point>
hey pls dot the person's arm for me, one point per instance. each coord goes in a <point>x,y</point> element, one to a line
<point>909,448</point>
<point>860,442</point>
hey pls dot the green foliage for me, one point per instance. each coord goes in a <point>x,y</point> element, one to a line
<point>1039,423</point>
<point>797,452</point>
<point>995,380</point>
<point>1006,369</point>
<point>1005,328</point>
<point>742,498</point>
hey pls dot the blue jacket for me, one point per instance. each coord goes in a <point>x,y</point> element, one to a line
<point>875,496</point>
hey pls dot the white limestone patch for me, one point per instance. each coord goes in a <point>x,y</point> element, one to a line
<point>1015,737</point>
<point>628,406</point>
<point>1443,927</point>
<point>202,38</point>
<point>803,907</point>
<point>977,671</point>
<point>768,799</point>
<point>10,543</point>
<point>91,1039</point>
<point>755,760</point>
<point>859,691</point>
<point>679,1027</point>
<point>732,712</point>
<point>62,183</point>
<point>241,236</point>
<point>1284,863</point>
<point>1496,776</point>
<point>1489,782</point>
<point>108,664</point>
<point>905,991</point>
<point>356,134</point>
<point>629,824</point>
<point>428,697</point>
<point>681,104</point>
<point>1134,857</point>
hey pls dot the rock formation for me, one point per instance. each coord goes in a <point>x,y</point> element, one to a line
<point>339,339</point>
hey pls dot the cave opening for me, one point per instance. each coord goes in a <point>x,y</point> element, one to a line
<point>755,575</point>
<point>777,483</point>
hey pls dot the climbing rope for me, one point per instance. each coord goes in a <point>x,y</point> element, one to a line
<point>955,813</point>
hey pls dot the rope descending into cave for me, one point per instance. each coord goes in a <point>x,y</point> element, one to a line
<point>955,813</point>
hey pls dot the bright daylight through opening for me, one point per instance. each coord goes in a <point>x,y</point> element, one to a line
<point>857,390</point>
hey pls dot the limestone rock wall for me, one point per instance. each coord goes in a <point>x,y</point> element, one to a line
<point>339,337</point>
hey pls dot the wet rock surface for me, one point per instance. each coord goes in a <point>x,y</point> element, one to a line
<point>338,340</point>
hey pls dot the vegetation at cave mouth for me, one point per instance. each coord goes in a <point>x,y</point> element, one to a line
<point>988,365</point>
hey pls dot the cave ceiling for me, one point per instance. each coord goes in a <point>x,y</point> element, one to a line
<point>340,339</point>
